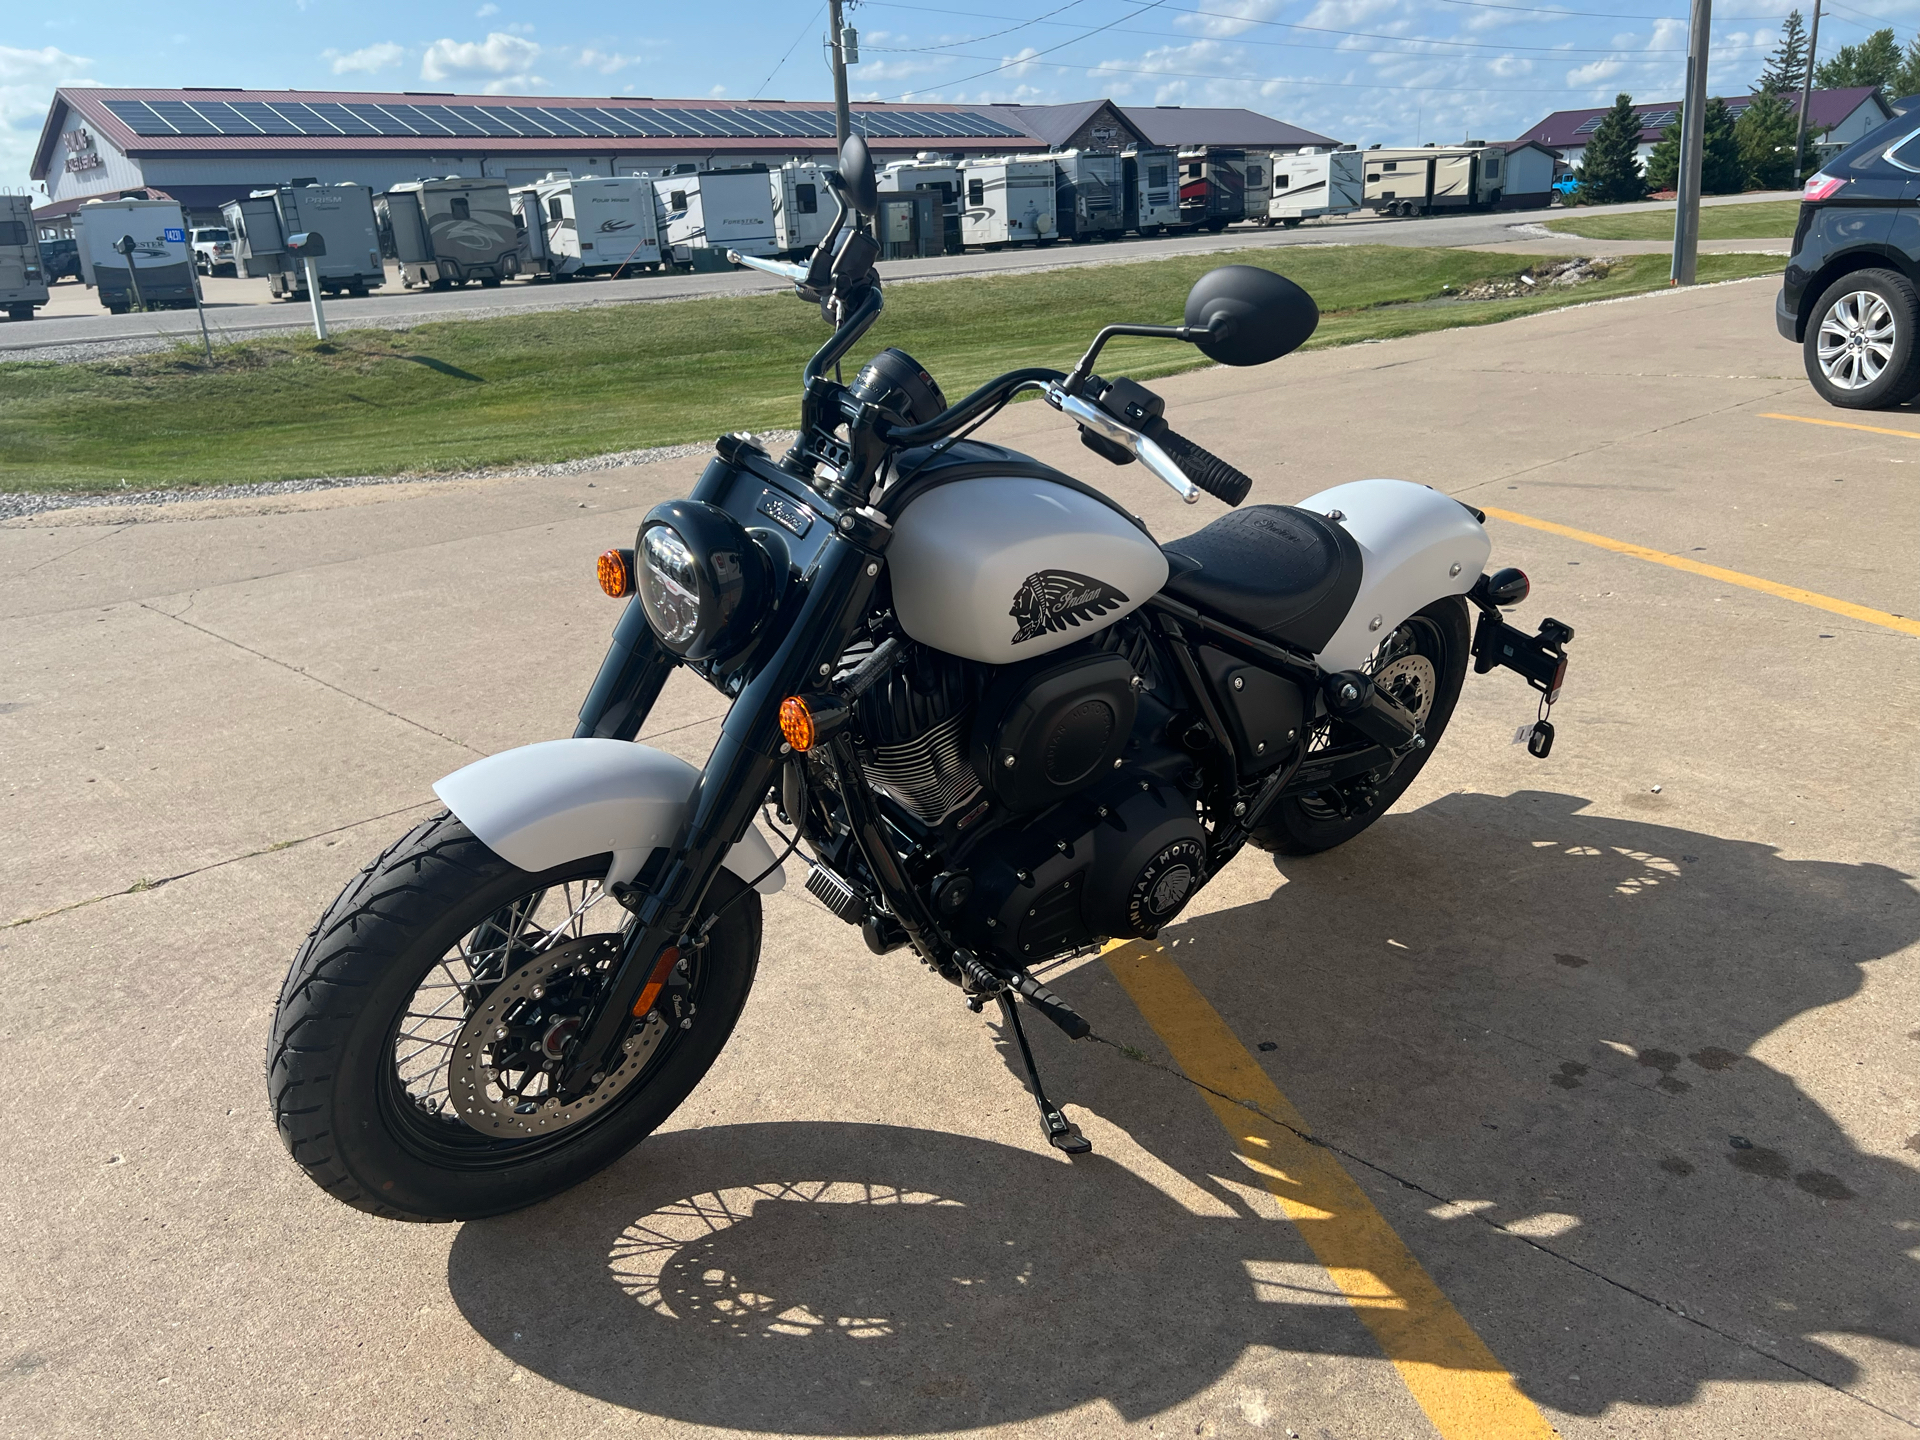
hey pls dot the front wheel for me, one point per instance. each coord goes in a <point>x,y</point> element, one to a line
<point>422,1025</point>
<point>1860,351</point>
<point>1422,665</point>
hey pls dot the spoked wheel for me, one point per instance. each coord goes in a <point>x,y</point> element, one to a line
<point>1421,664</point>
<point>1860,348</point>
<point>417,1050</point>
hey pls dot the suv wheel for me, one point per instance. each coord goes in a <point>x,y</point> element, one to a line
<point>1860,349</point>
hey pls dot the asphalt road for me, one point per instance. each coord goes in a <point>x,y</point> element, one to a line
<point>1615,1058</point>
<point>238,308</point>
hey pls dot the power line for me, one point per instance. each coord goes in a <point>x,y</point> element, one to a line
<point>790,49</point>
<point>995,35</point>
<point>1028,59</point>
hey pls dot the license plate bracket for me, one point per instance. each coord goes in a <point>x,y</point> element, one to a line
<point>1541,660</point>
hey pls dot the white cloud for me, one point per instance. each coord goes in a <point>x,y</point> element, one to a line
<point>499,64</point>
<point>485,10</point>
<point>604,61</point>
<point>383,56</point>
<point>28,79</point>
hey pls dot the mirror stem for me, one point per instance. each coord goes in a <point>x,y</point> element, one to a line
<point>1077,377</point>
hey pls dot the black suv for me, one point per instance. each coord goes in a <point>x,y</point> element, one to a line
<point>1850,298</point>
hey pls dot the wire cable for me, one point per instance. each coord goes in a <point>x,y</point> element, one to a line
<point>789,55</point>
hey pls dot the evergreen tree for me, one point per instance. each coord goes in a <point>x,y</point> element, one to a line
<point>1722,172</point>
<point>1764,133</point>
<point>1609,172</point>
<point>1787,66</point>
<point>1906,80</point>
<point>1663,165</point>
<point>1874,61</point>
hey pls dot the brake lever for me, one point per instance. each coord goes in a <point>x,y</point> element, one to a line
<point>1149,454</point>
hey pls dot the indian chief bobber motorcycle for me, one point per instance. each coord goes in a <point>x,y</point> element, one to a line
<point>1005,722</point>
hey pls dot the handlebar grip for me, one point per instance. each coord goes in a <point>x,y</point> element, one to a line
<point>1205,469</point>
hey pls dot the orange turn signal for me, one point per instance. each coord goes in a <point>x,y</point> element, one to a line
<point>796,723</point>
<point>669,958</point>
<point>615,570</point>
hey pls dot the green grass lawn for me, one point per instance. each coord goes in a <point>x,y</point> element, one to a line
<point>1759,220</point>
<point>565,384</point>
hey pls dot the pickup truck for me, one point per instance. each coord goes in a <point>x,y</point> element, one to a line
<point>213,251</point>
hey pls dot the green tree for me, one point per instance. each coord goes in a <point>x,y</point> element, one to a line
<point>1906,80</point>
<point>1609,172</point>
<point>1764,133</point>
<point>1874,61</point>
<point>1722,172</point>
<point>1786,67</point>
<point>1663,165</point>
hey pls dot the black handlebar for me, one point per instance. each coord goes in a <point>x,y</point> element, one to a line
<point>1205,469</point>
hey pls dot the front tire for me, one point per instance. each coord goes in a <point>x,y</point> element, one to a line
<point>1426,653</point>
<point>1860,347</point>
<point>402,960</point>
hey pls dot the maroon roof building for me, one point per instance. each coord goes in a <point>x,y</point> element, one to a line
<point>1839,117</point>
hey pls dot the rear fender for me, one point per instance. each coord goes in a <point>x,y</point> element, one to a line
<point>1418,546</point>
<point>543,805</point>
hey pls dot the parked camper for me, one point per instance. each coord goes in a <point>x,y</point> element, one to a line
<point>59,251</point>
<point>717,211</point>
<point>1312,183</point>
<point>1212,187</point>
<point>341,214</point>
<point>589,225</point>
<point>1008,202</point>
<point>1434,177</point>
<point>1151,190</point>
<point>23,281</point>
<point>1088,199</point>
<point>1256,182</point>
<point>942,177</point>
<point>448,231</point>
<point>165,273</point>
<point>803,206</point>
<point>212,247</point>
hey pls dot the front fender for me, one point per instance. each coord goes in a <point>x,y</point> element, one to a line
<point>543,805</point>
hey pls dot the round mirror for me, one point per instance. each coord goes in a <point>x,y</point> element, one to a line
<point>1250,315</point>
<point>857,181</point>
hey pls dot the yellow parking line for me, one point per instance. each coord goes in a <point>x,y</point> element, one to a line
<point>1464,1390</point>
<point>1713,572</point>
<point>1843,425</point>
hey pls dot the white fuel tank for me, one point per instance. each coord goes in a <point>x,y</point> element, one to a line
<point>999,569</point>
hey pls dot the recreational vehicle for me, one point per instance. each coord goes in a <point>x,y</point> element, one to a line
<point>23,283</point>
<point>447,232</point>
<point>1312,183</point>
<point>1434,177</point>
<point>342,215</point>
<point>718,210</point>
<point>160,265</point>
<point>930,173</point>
<point>1008,202</point>
<point>589,225</point>
<point>1213,187</point>
<point>1151,190</point>
<point>1256,182</point>
<point>1088,194</point>
<point>802,206</point>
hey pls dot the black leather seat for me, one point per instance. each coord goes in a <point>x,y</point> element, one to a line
<point>1277,571</point>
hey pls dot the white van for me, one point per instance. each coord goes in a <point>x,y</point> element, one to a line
<point>23,281</point>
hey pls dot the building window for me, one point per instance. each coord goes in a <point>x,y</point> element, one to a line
<point>976,192</point>
<point>461,210</point>
<point>806,199</point>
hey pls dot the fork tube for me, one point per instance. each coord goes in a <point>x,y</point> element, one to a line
<point>630,680</point>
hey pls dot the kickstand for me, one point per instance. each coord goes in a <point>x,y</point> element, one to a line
<point>1062,1133</point>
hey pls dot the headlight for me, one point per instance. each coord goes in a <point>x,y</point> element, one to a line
<point>705,584</point>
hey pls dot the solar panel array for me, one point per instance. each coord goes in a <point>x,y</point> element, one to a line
<point>1649,120</point>
<point>327,118</point>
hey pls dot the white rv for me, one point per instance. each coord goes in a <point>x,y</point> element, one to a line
<point>1311,183</point>
<point>162,263</point>
<point>1151,184</point>
<point>1256,181</point>
<point>589,225</point>
<point>342,215</point>
<point>1008,202</point>
<point>930,173</point>
<point>23,281</point>
<point>450,231</point>
<point>803,206</point>
<point>1434,177</point>
<point>717,210</point>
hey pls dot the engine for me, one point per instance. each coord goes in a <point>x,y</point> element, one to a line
<point>1053,806</point>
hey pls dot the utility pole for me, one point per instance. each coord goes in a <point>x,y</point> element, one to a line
<point>842,123</point>
<point>1806,94</point>
<point>1693,133</point>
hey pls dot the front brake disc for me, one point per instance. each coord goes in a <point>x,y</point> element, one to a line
<point>492,1084</point>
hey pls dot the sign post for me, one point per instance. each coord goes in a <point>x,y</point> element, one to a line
<point>308,246</point>
<point>176,234</point>
<point>126,245</point>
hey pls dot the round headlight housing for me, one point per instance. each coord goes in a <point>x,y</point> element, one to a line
<point>705,585</point>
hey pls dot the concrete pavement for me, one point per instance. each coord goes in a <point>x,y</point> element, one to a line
<point>1622,1045</point>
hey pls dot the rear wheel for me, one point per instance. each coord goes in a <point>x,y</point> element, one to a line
<point>414,1053</point>
<point>1860,350</point>
<point>1422,665</point>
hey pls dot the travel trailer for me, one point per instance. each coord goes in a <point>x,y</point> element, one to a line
<point>164,269</point>
<point>1088,194</point>
<point>342,215</point>
<point>449,231</point>
<point>1213,187</point>
<point>1151,190</point>
<point>717,210</point>
<point>803,206</point>
<point>929,172</point>
<point>1256,182</point>
<point>23,282</point>
<point>1435,177</point>
<point>1312,183</point>
<point>1008,202</point>
<point>589,225</point>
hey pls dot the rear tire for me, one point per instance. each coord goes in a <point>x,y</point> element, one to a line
<point>1860,348</point>
<point>1308,824</point>
<point>360,1113</point>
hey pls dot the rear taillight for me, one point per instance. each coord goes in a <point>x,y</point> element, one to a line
<point>1821,187</point>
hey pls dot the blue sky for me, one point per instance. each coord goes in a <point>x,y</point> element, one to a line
<point>1397,71</point>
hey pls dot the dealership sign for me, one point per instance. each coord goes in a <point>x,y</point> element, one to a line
<point>82,155</point>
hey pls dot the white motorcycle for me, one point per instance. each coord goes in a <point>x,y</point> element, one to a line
<point>1005,722</point>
